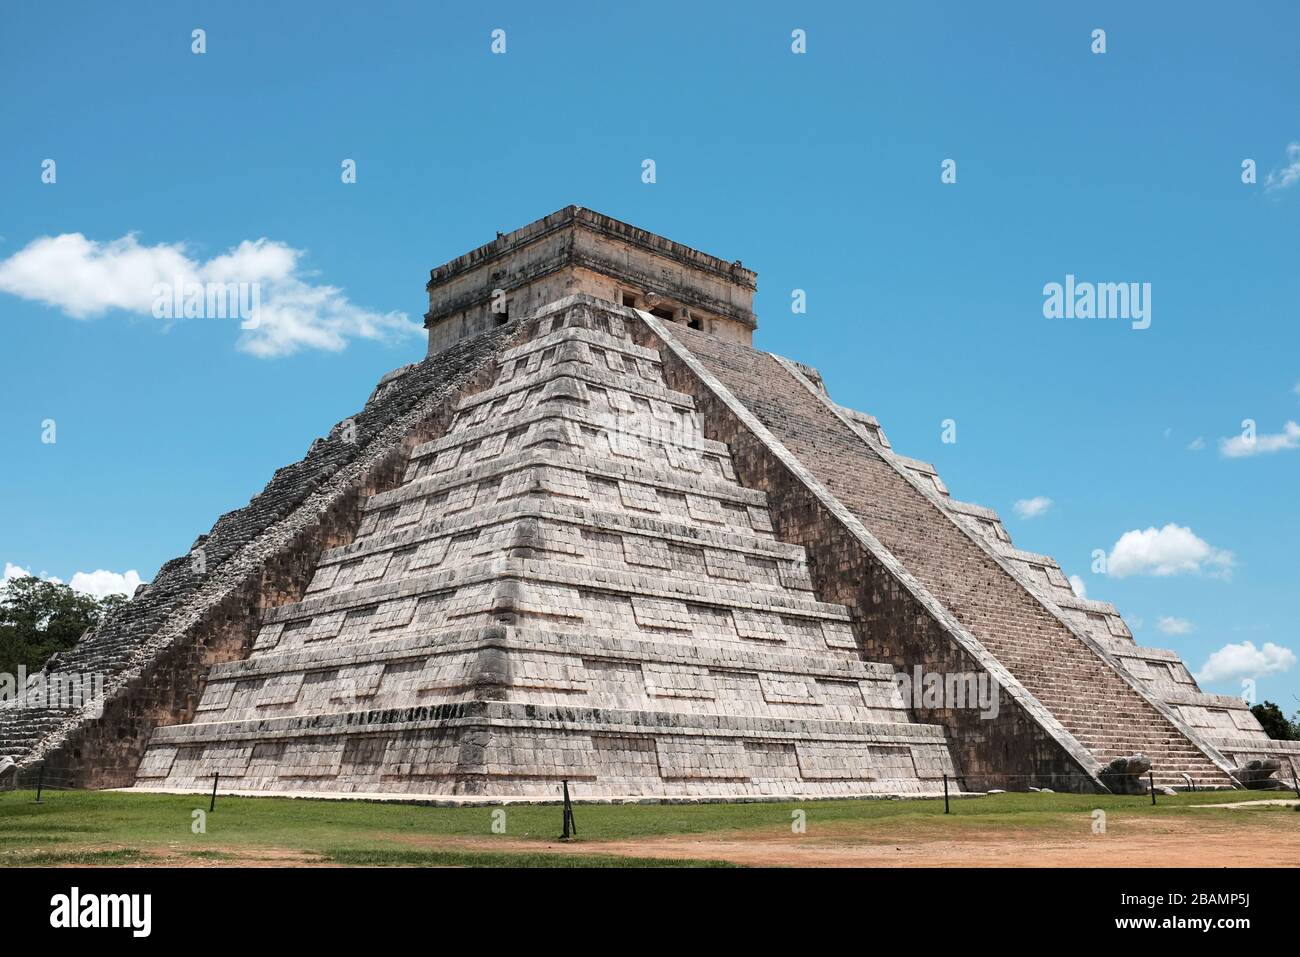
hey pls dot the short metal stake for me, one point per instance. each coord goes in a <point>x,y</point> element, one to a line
<point>570,828</point>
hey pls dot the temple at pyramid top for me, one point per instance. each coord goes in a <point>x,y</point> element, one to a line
<point>577,250</point>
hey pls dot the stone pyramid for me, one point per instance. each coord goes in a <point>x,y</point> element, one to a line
<point>569,584</point>
<point>596,536</point>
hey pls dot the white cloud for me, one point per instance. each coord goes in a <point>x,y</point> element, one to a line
<point>1032,507</point>
<point>1079,586</point>
<point>13,571</point>
<point>1289,174</point>
<point>98,583</point>
<point>1172,550</point>
<point>1196,444</point>
<point>1174,626</point>
<point>1245,661</point>
<point>85,278</point>
<point>1239,446</point>
<point>101,583</point>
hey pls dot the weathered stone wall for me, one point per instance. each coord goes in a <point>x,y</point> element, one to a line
<point>576,251</point>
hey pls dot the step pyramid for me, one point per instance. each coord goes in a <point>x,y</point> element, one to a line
<point>569,584</point>
<point>595,536</point>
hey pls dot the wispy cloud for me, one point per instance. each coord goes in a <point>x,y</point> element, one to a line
<point>85,278</point>
<point>1196,445</point>
<point>1287,175</point>
<point>1244,660</point>
<point>1079,587</point>
<point>1033,507</point>
<point>1239,446</point>
<point>1172,550</point>
<point>1171,625</point>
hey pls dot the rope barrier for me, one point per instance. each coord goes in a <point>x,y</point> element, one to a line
<point>44,779</point>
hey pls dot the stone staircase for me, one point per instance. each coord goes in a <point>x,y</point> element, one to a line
<point>21,729</point>
<point>1097,705</point>
<point>101,655</point>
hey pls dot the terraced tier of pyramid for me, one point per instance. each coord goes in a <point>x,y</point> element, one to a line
<point>569,584</point>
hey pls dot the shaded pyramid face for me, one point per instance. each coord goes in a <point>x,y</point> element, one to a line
<point>569,584</point>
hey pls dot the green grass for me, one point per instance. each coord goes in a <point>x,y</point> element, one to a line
<point>114,858</point>
<point>389,834</point>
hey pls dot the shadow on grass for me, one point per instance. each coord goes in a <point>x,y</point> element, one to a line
<point>405,858</point>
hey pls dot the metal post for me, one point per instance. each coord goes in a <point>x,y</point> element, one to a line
<point>945,793</point>
<point>1151,776</point>
<point>215,781</point>
<point>570,828</point>
<point>40,783</point>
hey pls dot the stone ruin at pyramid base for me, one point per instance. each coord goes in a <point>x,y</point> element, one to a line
<point>596,537</point>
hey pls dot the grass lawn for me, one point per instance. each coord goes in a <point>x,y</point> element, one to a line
<point>97,827</point>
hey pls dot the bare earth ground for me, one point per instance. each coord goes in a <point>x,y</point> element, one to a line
<point>1146,843</point>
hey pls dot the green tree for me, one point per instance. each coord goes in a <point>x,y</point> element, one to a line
<point>1274,722</point>
<point>38,618</point>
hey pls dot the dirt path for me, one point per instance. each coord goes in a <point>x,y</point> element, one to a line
<point>1156,843</point>
<point>229,857</point>
<point>1203,840</point>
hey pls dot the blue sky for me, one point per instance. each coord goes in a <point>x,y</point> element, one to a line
<point>821,171</point>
